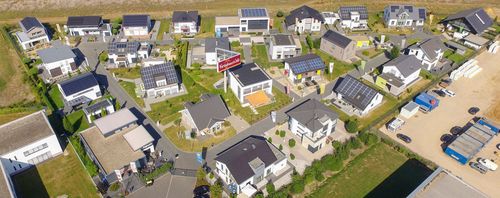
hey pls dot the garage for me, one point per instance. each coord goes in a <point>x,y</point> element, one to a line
<point>409,110</point>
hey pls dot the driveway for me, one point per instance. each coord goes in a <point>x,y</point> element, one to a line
<point>168,186</point>
<point>247,51</point>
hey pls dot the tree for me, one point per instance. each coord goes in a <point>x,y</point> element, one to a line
<point>282,133</point>
<point>291,143</point>
<point>270,140</point>
<point>394,52</point>
<point>355,143</point>
<point>297,186</point>
<point>118,106</point>
<point>277,132</point>
<point>317,43</point>
<point>310,41</point>
<point>280,147</point>
<point>103,57</point>
<point>193,135</point>
<point>280,13</point>
<point>336,144</point>
<point>216,189</point>
<point>352,126</point>
<point>292,156</point>
<point>270,188</point>
<point>68,126</point>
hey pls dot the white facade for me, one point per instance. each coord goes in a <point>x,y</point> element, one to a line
<point>162,90</point>
<point>300,78</point>
<point>129,59</point>
<point>310,139</point>
<point>136,31</point>
<point>28,43</point>
<point>406,80</point>
<point>278,52</point>
<point>211,58</point>
<point>104,29</point>
<point>65,65</point>
<point>185,27</point>
<point>307,25</point>
<point>354,22</point>
<point>427,63</point>
<point>241,91</point>
<point>91,93</point>
<point>330,17</point>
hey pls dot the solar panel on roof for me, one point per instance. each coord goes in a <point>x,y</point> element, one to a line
<point>421,13</point>
<point>166,69</point>
<point>409,8</point>
<point>394,8</point>
<point>307,65</point>
<point>253,12</point>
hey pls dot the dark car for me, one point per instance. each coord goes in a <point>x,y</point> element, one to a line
<point>404,137</point>
<point>474,110</point>
<point>439,92</point>
<point>201,190</point>
<point>479,167</point>
<point>446,138</point>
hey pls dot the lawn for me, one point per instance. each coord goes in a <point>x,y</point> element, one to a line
<point>164,28</point>
<point>176,135</point>
<point>55,96</point>
<point>63,175</point>
<point>305,48</point>
<point>129,73</point>
<point>277,21</point>
<point>78,120</point>
<point>259,53</point>
<point>378,172</point>
<point>372,52</point>
<point>207,27</point>
<point>339,68</point>
<point>129,87</point>
<point>457,58</point>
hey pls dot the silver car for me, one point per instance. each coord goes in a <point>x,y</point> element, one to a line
<point>479,167</point>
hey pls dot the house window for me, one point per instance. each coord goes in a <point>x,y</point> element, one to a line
<point>15,169</point>
<point>36,149</point>
<point>19,166</point>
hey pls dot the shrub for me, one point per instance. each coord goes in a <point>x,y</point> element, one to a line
<point>332,163</point>
<point>235,44</point>
<point>309,176</point>
<point>317,43</point>
<point>319,176</point>
<point>365,53</point>
<point>310,41</point>
<point>270,140</point>
<point>282,133</point>
<point>115,186</point>
<point>394,52</point>
<point>291,143</point>
<point>270,188</point>
<point>352,126</point>
<point>355,143</point>
<point>280,147</point>
<point>277,132</point>
<point>297,186</point>
<point>336,144</point>
<point>368,138</point>
<point>292,156</point>
<point>216,189</point>
<point>259,195</point>
<point>103,57</point>
<point>280,13</point>
<point>193,135</point>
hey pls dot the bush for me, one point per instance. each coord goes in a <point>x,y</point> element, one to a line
<point>103,57</point>
<point>282,133</point>
<point>297,186</point>
<point>355,143</point>
<point>270,188</point>
<point>235,44</point>
<point>291,143</point>
<point>280,147</point>
<point>270,140</point>
<point>280,13</point>
<point>292,156</point>
<point>310,42</point>
<point>317,43</point>
<point>365,53</point>
<point>368,138</point>
<point>277,132</point>
<point>336,144</point>
<point>394,52</point>
<point>351,126</point>
<point>331,163</point>
<point>319,176</point>
<point>115,186</point>
<point>216,189</point>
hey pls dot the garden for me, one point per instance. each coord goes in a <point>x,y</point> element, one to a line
<point>176,134</point>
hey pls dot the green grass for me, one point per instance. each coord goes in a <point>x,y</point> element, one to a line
<point>78,120</point>
<point>129,87</point>
<point>63,175</point>
<point>129,73</point>
<point>207,27</point>
<point>277,21</point>
<point>164,28</point>
<point>458,58</point>
<point>305,48</point>
<point>378,172</point>
<point>176,135</point>
<point>339,68</point>
<point>259,52</point>
<point>56,96</point>
<point>413,41</point>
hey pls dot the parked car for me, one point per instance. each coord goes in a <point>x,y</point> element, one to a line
<point>473,110</point>
<point>448,92</point>
<point>404,137</point>
<point>477,166</point>
<point>488,163</point>
<point>445,83</point>
<point>498,146</point>
<point>439,92</point>
<point>201,190</point>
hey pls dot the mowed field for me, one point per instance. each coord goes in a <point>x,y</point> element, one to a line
<point>54,11</point>
<point>12,88</point>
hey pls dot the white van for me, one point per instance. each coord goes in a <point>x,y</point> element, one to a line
<point>488,163</point>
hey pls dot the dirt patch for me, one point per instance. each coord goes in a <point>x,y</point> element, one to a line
<point>493,112</point>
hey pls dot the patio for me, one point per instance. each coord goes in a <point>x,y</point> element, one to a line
<point>301,89</point>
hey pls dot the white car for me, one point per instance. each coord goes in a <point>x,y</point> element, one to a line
<point>488,163</point>
<point>448,92</point>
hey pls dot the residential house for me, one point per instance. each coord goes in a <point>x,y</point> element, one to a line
<point>185,22</point>
<point>330,17</point>
<point>33,33</point>
<point>117,145</point>
<point>206,116</point>
<point>312,122</point>
<point>254,20</point>
<point>79,90</point>
<point>215,43</point>
<point>399,74</point>
<point>127,54</point>
<point>353,17</point>
<point>98,110</point>
<point>304,68</point>
<point>475,41</point>
<point>27,141</point>
<point>251,85</point>
<point>58,60</point>
<point>404,16</point>
<point>227,24</point>
<point>429,52</point>
<point>160,80</point>
<point>136,25</point>
<point>338,45</point>
<point>249,164</point>
<point>284,46</point>
<point>472,21</point>
<point>87,25</point>
<point>360,96</point>
<point>304,19</point>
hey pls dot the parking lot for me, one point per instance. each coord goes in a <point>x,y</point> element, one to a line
<point>426,129</point>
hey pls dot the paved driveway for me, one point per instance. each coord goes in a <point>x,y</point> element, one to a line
<point>168,186</point>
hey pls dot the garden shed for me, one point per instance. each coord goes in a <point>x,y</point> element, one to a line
<point>409,110</point>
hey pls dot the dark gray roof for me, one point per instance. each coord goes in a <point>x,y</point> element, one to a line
<point>56,53</point>
<point>414,13</point>
<point>345,12</point>
<point>123,47</point>
<point>337,38</point>
<point>430,46</point>
<point>79,83</point>
<point>472,140</point>
<point>476,18</point>
<point>210,110</point>
<point>28,23</point>
<point>83,21</point>
<point>356,92</point>
<point>253,12</point>
<point>406,64</point>
<point>165,71</point>
<point>305,63</point>
<point>185,16</point>
<point>212,43</point>
<point>248,74</point>
<point>97,106</point>
<point>310,112</point>
<point>282,39</point>
<point>303,12</point>
<point>135,20</point>
<point>237,158</point>
<point>392,79</point>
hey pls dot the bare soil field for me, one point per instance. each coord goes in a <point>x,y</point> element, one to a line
<point>426,130</point>
<point>12,88</point>
<point>58,10</point>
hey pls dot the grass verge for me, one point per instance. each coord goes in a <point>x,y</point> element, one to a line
<point>129,87</point>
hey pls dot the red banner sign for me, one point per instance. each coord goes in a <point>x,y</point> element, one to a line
<point>228,63</point>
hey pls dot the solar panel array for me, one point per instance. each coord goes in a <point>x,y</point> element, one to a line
<point>31,22</point>
<point>307,65</point>
<point>421,13</point>
<point>357,93</point>
<point>123,47</point>
<point>409,8</point>
<point>394,8</point>
<point>345,12</point>
<point>148,74</point>
<point>135,20</point>
<point>253,12</point>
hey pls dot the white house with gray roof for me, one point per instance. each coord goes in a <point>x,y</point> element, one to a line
<point>206,116</point>
<point>360,96</point>
<point>80,90</point>
<point>33,33</point>
<point>127,54</point>
<point>304,19</point>
<point>211,44</point>
<point>399,74</point>
<point>249,165</point>
<point>353,17</point>
<point>58,60</point>
<point>404,16</point>
<point>160,80</point>
<point>87,25</point>
<point>284,46</point>
<point>312,122</point>
<point>251,84</point>
<point>305,68</point>
<point>429,52</point>
<point>97,110</point>
<point>471,21</point>
<point>136,25</point>
<point>185,22</point>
